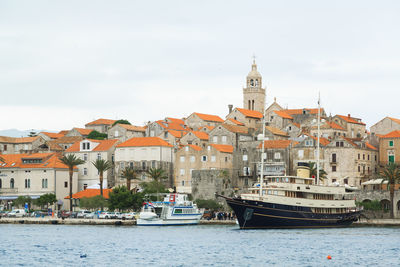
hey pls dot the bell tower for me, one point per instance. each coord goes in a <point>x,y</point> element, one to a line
<point>254,94</point>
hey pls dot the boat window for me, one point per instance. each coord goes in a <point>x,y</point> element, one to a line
<point>178,211</point>
<point>287,180</point>
<point>277,180</point>
<point>269,192</point>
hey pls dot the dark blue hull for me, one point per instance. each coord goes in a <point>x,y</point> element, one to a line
<point>257,214</point>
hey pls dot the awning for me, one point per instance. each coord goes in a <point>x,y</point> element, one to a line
<point>374,182</point>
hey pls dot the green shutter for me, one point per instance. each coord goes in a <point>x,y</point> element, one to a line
<point>391,158</point>
<point>391,143</point>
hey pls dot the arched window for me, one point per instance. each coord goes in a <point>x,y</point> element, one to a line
<point>251,82</point>
<point>256,82</point>
<point>44,183</point>
<point>12,183</point>
<point>1,183</point>
<point>249,104</point>
<point>252,105</point>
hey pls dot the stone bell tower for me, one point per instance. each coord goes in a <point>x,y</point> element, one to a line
<point>254,94</point>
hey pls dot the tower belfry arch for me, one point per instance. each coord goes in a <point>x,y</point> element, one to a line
<point>253,93</point>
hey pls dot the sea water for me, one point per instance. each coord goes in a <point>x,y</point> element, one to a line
<point>202,245</point>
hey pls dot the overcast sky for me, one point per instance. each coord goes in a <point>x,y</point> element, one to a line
<point>66,63</point>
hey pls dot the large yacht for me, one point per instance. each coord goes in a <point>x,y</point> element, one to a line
<point>294,202</point>
<point>175,209</point>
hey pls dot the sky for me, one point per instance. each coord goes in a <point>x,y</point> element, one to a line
<point>66,63</point>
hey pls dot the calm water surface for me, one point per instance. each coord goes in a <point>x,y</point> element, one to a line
<point>65,245</point>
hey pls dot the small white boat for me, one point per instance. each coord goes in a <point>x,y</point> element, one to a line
<point>175,209</point>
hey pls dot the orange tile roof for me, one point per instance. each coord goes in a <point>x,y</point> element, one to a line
<point>223,148</point>
<point>297,125</point>
<point>201,135</point>
<point>236,128</point>
<point>334,125</point>
<point>395,120</point>
<point>177,134</point>
<point>250,113</point>
<point>63,132</point>
<point>350,119</point>
<point>269,144</point>
<point>179,121</point>
<point>144,141</point>
<point>67,140</point>
<point>283,114</point>
<point>53,135</point>
<point>276,131</point>
<point>370,146</point>
<point>18,140</point>
<point>197,148</point>
<point>322,140</point>
<point>101,122</point>
<point>83,131</point>
<point>300,111</point>
<point>90,193</point>
<point>208,117</point>
<point>132,127</point>
<point>103,145</point>
<point>171,125</point>
<point>236,122</point>
<point>206,126</point>
<point>394,134</point>
<point>350,141</point>
<point>49,161</point>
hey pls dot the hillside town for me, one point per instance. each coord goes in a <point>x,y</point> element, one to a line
<point>203,154</point>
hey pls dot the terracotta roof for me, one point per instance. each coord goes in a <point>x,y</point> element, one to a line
<point>18,140</point>
<point>83,131</point>
<point>395,120</point>
<point>53,135</point>
<point>350,141</point>
<point>268,144</point>
<point>144,141</point>
<point>197,148</point>
<point>300,111</point>
<point>179,121</point>
<point>101,122</point>
<point>250,113</point>
<point>201,135</point>
<point>276,131</point>
<point>177,134</point>
<point>132,127</point>
<point>208,117</point>
<point>350,119</point>
<point>236,122</point>
<point>171,125</point>
<point>334,125</point>
<point>223,148</point>
<point>322,140</point>
<point>206,126</point>
<point>67,140</point>
<point>103,145</point>
<point>90,193</point>
<point>394,134</point>
<point>236,128</point>
<point>63,132</point>
<point>49,161</point>
<point>370,146</point>
<point>297,125</point>
<point>283,114</point>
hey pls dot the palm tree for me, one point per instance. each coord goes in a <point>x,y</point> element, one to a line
<point>157,174</point>
<point>391,174</point>
<point>313,171</point>
<point>129,174</point>
<point>71,161</point>
<point>102,166</point>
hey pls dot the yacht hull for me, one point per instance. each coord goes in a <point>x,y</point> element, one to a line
<point>257,215</point>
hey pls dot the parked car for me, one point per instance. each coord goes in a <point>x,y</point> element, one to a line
<point>67,214</point>
<point>106,215</point>
<point>3,213</point>
<point>82,213</point>
<point>91,215</point>
<point>117,215</point>
<point>17,213</point>
<point>128,216</point>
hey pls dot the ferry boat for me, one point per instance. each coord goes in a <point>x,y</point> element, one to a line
<point>294,202</point>
<point>175,209</point>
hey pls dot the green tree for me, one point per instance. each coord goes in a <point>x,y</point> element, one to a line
<point>21,200</point>
<point>46,200</point>
<point>208,204</point>
<point>121,122</point>
<point>93,203</point>
<point>122,199</point>
<point>157,174</point>
<point>129,174</point>
<point>102,166</point>
<point>313,171</point>
<point>97,135</point>
<point>391,174</point>
<point>71,161</point>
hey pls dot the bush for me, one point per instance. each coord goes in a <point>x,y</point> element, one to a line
<point>96,135</point>
<point>373,205</point>
<point>208,204</point>
<point>123,199</point>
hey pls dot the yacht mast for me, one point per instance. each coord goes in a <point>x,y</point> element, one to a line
<point>318,134</point>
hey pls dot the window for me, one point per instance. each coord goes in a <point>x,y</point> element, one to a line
<point>182,171</point>
<point>182,158</point>
<point>116,134</point>
<point>363,156</point>
<point>333,168</point>
<point>122,165</point>
<point>224,139</point>
<point>391,143</point>
<point>358,155</point>
<point>65,184</point>
<point>12,183</point>
<point>213,159</point>
<point>98,155</point>
<point>244,157</point>
<point>27,183</point>
<point>204,158</point>
<point>309,143</point>
<point>277,155</point>
<point>153,163</point>
<point>186,148</point>
<point>334,157</point>
<point>143,165</point>
<point>301,154</point>
<point>346,181</point>
<point>85,157</point>
<point>246,171</point>
<point>44,183</point>
<point>165,134</point>
<point>192,158</point>
<point>215,139</point>
<point>176,211</point>
<point>1,183</point>
<point>226,159</point>
<point>84,186</point>
<point>85,172</point>
<point>5,147</point>
<point>359,168</point>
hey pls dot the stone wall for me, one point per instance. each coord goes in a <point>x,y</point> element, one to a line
<point>381,195</point>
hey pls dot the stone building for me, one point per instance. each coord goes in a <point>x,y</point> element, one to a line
<point>250,118</point>
<point>328,129</point>
<point>143,153</point>
<point>192,157</point>
<point>197,138</point>
<point>50,136</point>
<point>229,134</point>
<point>354,126</point>
<point>197,120</point>
<point>21,145</point>
<point>157,128</point>
<point>385,126</point>
<point>61,144</point>
<point>124,132</point>
<point>89,151</point>
<point>273,133</point>
<point>84,133</point>
<point>254,94</point>
<point>33,175</point>
<point>100,125</point>
<point>389,148</point>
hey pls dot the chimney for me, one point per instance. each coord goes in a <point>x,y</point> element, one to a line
<point>230,108</point>
<point>348,115</point>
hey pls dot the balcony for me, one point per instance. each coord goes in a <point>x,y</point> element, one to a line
<point>8,190</point>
